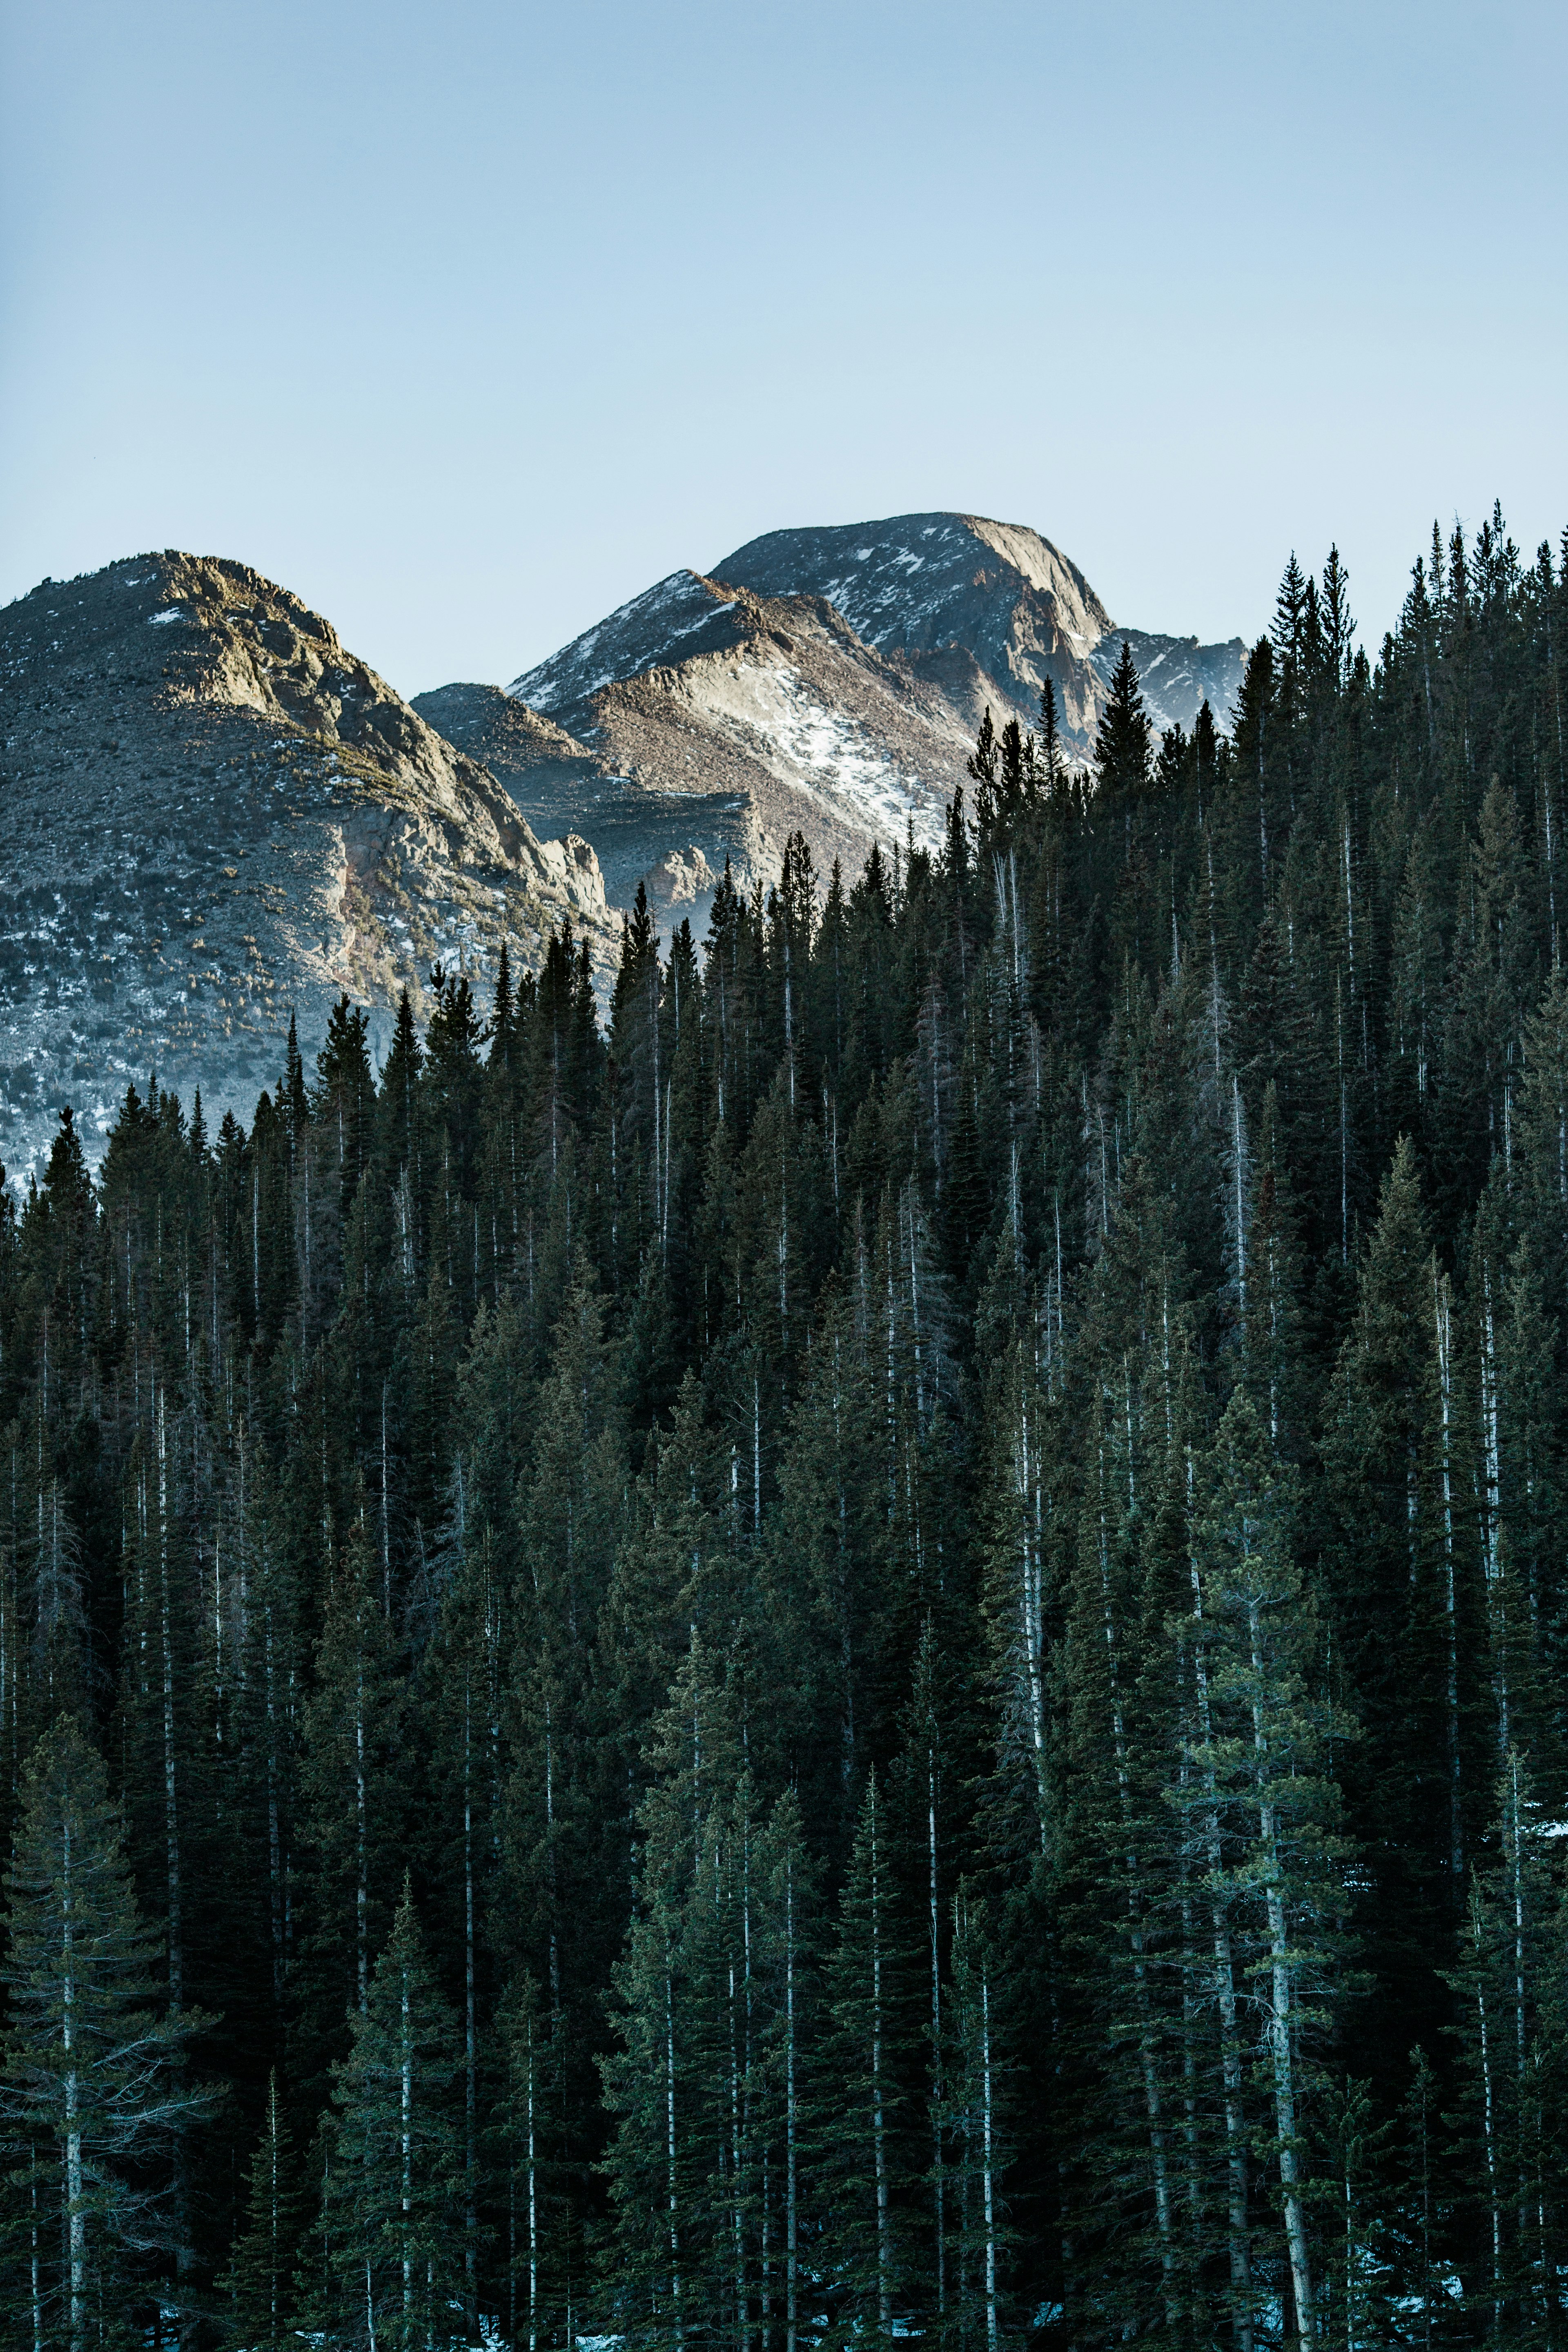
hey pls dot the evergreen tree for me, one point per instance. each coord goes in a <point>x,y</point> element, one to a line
<point>1122,753</point>
<point>862,2060</point>
<point>92,2097</point>
<point>1266,1755</point>
<point>259,2282</point>
<point>393,2191</point>
<point>350,1822</point>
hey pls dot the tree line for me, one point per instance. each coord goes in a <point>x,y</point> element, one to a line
<point>872,1648</point>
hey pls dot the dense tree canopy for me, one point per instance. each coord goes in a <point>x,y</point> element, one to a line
<point>875,1646</point>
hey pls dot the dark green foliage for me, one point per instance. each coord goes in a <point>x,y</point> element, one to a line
<point>393,2170</point>
<point>259,2282</point>
<point>91,2098</point>
<point>933,1553</point>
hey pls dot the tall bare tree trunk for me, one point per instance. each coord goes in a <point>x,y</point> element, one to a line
<point>76,2199</point>
<point>1278,2024</point>
<point>1225,1995</point>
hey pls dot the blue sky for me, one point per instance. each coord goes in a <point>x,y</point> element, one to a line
<point>467,322</point>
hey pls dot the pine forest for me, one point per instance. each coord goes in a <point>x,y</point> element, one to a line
<point>867,1639</point>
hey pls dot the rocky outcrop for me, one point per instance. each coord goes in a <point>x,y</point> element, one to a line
<point>505,736</point>
<point>217,815</point>
<point>556,781</point>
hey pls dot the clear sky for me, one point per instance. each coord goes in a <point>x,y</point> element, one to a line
<point>468,321</point>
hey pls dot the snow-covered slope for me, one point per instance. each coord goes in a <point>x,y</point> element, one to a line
<point>216,815</point>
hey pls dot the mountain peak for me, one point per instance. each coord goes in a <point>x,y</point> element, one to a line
<point>921,584</point>
<point>217,815</point>
<point>830,681</point>
<point>922,581</point>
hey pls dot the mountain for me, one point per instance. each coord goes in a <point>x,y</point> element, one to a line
<point>924,584</point>
<point>502,733</point>
<point>829,679</point>
<point>216,816</point>
<point>737,718</point>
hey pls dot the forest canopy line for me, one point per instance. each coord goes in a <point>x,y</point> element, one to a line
<point>877,1649</point>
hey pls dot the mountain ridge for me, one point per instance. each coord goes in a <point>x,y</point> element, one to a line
<point>187,749</point>
<point>218,816</point>
<point>832,680</point>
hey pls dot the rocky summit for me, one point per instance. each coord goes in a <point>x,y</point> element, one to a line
<point>736,718</point>
<point>932,586</point>
<point>216,817</point>
<point>831,680</point>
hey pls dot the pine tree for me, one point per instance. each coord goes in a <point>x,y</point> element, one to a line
<point>979,2306</point>
<point>259,2282</point>
<point>786,1942</point>
<point>350,1807</point>
<point>668,2083</point>
<point>861,2064</point>
<point>1383,1449</point>
<point>91,2093</point>
<point>344,1098</point>
<point>1121,754</point>
<point>1252,749</point>
<point>1266,1754</point>
<point>929,1819</point>
<point>392,2193</point>
<point>542,2257</point>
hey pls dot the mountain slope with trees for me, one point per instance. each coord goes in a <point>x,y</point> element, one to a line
<point>876,1648</point>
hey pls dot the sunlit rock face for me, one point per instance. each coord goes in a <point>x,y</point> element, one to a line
<point>215,816</point>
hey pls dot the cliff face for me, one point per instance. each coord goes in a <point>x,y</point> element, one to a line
<point>217,815</point>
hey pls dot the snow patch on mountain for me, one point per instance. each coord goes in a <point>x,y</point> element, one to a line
<point>676,617</point>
